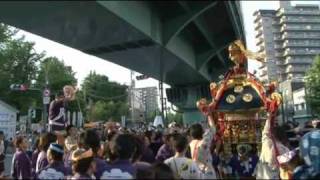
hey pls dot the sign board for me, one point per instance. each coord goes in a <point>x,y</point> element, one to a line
<point>46,99</point>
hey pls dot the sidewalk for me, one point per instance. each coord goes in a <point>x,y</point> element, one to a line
<point>7,164</point>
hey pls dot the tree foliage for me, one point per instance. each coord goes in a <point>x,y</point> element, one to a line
<point>21,64</point>
<point>175,117</point>
<point>313,86</point>
<point>109,99</point>
<point>57,74</point>
<point>18,61</point>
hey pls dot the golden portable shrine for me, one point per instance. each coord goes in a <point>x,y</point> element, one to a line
<point>239,101</point>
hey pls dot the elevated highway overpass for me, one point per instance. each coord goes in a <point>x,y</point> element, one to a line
<point>182,43</point>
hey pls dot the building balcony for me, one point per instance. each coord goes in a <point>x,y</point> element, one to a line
<point>278,46</point>
<point>261,49</point>
<point>290,36</point>
<point>277,38</point>
<point>258,25</point>
<point>301,52</point>
<point>280,72</point>
<point>263,65</point>
<point>293,12</point>
<point>298,20</point>
<point>306,45</point>
<point>275,23</point>
<point>279,13</point>
<point>279,63</point>
<point>296,70</point>
<point>277,54</point>
<point>298,62</point>
<point>300,28</point>
<point>260,41</point>
<point>259,33</point>
<point>257,17</point>
<point>263,73</point>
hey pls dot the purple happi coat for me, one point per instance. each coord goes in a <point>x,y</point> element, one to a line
<point>57,120</point>
<point>100,166</point>
<point>78,176</point>
<point>243,168</point>
<point>21,166</point>
<point>67,159</point>
<point>34,158</point>
<point>121,169</point>
<point>42,161</point>
<point>148,155</point>
<point>164,153</point>
<point>55,170</point>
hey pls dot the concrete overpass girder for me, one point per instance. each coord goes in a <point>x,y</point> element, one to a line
<point>165,33</point>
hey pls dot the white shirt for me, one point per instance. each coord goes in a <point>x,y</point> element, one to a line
<point>267,167</point>
<point>184,167</point>
<point>203,156</point>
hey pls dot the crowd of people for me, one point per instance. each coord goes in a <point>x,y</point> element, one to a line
<point>155,153</point>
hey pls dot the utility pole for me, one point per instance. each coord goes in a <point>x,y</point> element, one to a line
<point>46,99</point>
<point>161,84</point>
<point>165,108</point>
<point>132,95</point>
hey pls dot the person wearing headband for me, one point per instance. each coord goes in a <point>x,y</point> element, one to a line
<point>83,164</point>
<point>55,168</point>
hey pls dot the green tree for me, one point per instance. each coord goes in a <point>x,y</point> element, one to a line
<point>6,33</point>
<point>313,86</point>
<point>98,87</point>
<point>109,99</point>
<point>57,74</point>
<point>175,117</point>
<point>18,61</point>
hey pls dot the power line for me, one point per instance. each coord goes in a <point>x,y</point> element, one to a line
<point>104,98</point>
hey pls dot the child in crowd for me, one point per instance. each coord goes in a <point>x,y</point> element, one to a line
<point>21,166</point>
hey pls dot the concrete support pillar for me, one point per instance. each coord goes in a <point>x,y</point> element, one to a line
<point>192,116</point>
<point>185,99</point>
